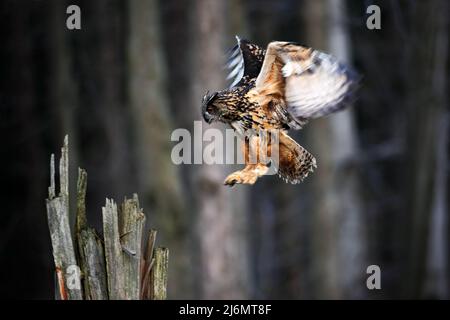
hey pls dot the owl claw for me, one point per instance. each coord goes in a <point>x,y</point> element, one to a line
<point>242,177</point>
<point>230,182</point>
<point>232,179</point>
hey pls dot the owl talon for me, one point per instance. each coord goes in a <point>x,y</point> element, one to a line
<point>242,177</point>
<point>230,183</point>
<point>232,179</point>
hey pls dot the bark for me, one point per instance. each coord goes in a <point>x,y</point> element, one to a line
<point>159,274</point>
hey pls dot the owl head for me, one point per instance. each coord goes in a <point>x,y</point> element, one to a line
<point>220,106</point>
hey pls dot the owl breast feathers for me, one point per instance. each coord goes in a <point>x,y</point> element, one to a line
<point>278,88</point>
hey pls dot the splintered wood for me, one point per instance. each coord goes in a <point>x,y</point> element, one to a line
<point>114,267</point>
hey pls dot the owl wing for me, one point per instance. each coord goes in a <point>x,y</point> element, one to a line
<point>312,83</point>
<point>245,59</point>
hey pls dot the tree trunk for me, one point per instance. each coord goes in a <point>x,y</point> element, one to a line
<point>221,214</point>
<point>158,178</point>
<point>426,109</point>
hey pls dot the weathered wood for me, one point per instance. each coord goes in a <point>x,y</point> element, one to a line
<point>132,221</point>
<point>60,233</point>
<point>158,290</point>
<point>113,251</point>
<point>81,220</point>
<point>147,264</point>
<point>90,248</point>
<point>56,285</point>
<point>150,244</point>
<point>80,225</point>
<point>51,189</point>
<point>95,269</point>
<point>117,268</point>
<point>64,171</point>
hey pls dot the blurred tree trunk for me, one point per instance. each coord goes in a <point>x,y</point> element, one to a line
<point>263,18</point>
<point>158,178</point>
<point>437,279</point>
<point>63,93</point>
<point>103,118</point>
<point>220,228</point>
<point>175,33</point>
<point>437,285</point>
<point>277,213</point>
<point>338,235</point>
<point>426,109</point>
<point>353,242</point>
<point>238,24</point>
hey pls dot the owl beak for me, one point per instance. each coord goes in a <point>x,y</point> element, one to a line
<point>207,98</point>
<point>208,118</point>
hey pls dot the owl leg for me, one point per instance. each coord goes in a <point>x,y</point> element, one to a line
<point>252,171</point>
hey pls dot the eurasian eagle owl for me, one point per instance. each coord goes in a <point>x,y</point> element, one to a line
<point>279,88</point>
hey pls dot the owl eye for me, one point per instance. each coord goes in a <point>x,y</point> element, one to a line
<point>209,109</point>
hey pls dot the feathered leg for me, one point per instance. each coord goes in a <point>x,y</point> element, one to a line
<point>254,167</point>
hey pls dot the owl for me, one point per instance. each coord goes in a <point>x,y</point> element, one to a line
<point>278,88</point>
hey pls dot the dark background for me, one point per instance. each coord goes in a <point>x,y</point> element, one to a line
<point>138,69</point>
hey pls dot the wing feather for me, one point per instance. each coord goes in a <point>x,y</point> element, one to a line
<point>245,59</point>
<point>312,83</point>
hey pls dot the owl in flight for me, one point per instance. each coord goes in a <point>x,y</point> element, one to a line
<point>279,88</point>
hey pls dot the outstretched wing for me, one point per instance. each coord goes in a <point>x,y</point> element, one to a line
<point>245,59</point>
<point>312,83</point>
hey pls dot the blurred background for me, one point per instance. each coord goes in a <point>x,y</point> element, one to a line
<point>138,69</point>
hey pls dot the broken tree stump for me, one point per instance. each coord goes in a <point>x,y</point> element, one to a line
<point>115,266</point>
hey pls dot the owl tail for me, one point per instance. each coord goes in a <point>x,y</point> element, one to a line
<point>295,162</point>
